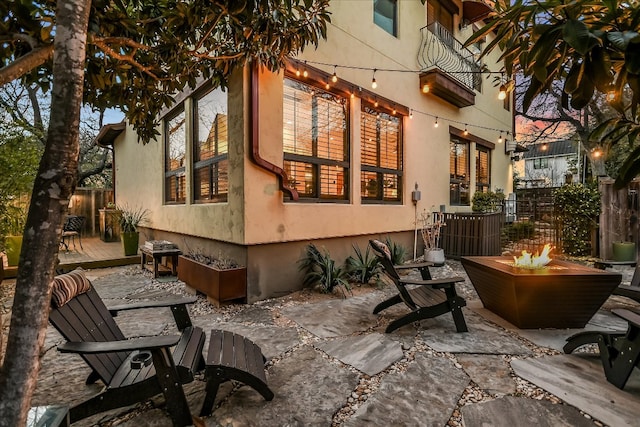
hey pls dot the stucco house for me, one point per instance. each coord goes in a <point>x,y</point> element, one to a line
<point>257,172</point>
<point>550,164</point>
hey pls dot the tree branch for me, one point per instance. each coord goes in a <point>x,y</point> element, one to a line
<point>25,64</point>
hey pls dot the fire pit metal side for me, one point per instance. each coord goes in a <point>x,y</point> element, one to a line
<point>566,295</point>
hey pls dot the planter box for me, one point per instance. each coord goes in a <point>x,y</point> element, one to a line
<point>218,285</point>
<point>564,295</point>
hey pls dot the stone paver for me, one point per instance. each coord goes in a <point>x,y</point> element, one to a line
<point>424,395</point>
<point>512,411</point>
<point>490,372</point>
<point>580,382</point>
<point>370,354</point>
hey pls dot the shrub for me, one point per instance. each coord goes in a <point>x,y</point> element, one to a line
<point>577,207</point>
<point>487,202</point>
<point>363,267</point>
<point>519,230</point>
<point>320,270</point>
<point>398,252</point>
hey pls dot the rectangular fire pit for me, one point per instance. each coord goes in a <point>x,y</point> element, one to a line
<point>562,295</point>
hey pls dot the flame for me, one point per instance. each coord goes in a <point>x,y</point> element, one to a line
<point>526,260</point>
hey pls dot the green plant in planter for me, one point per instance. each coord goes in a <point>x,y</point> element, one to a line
<point>363,267</point>
<point>320,270</point>
<point>12,222</point>
<point>398,252</point>
<point>130,219</point>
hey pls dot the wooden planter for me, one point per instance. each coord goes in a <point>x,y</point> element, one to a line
<point>218,285</point>
<point>565,295</point>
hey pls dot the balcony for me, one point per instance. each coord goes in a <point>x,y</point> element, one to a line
<point>449,69</point>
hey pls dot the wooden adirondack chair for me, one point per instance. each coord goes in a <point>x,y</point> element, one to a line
<point>131,370</point>
<point>429,298</point>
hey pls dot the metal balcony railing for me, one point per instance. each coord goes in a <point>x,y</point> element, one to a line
<point>439,49</point>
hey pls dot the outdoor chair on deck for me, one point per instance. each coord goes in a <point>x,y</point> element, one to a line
<point>71,229</point>
<point>426,298</point>
<point>632,290</point>
<point>132,370</point>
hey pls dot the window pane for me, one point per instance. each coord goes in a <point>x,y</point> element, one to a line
<point>369,185</point>
<point>385,14</point>
<point>315,128</point>
<point>459,172</point>
<point>175,137</point>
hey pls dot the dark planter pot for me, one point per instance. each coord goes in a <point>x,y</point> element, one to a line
<point>130,242</point>
<point>218,285</point>
<point>565,295</point>
<point>13,246</point>
<point>624,251</point>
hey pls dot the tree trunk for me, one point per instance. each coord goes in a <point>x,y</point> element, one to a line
<point>52,190</point>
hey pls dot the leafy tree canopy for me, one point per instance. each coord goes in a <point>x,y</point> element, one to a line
<point>141,52</point>
<point>589,46</point>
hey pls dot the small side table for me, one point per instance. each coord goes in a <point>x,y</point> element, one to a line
<point>48,416</point>
<point>157,256</point>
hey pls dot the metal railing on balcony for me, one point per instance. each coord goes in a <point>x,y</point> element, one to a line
<point>439,49</point>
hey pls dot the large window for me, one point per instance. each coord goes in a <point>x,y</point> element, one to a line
<point>175,148</point>
<point>210,147</point>
<point>381,148</point>
<point>316,149</point>
<point>459,172</point>
<point>483,169</point>
<point>541,163</point>
<point>441,11</point>
<point>385,15</point>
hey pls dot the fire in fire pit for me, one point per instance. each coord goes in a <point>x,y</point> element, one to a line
<point>526,260</point>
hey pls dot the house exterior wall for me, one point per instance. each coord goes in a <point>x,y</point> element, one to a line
<point>554,175</point>
<point>257,225</point>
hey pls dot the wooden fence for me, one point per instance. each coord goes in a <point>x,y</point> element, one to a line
<point>619,217</point>
<point>87,202</point>
<point>472,234</point>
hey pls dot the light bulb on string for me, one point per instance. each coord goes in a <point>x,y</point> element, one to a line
<point>334,78</point>
<point>374,84</point>
<point>435,125</point>
<point>394,111</point>
<point>327,86</point>
<point>544,146</point>
<point>503,92</point>
<point>411,114</point>
<point>500,138</point>
<point>466,132</point>
<point>375,104</point>
<point>298,72</point>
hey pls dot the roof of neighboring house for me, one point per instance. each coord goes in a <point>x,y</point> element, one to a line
<point>558,148</point>
<point>108,134</point>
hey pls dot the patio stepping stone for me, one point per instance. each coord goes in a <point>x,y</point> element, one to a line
<point>512,411</point>
<point>254,314</point>
<point>490,372</point>
<point>424,395</point>
<point>580,381</point>
<point>334,318</point>
<point>308,390</point>
<point>371,354</point>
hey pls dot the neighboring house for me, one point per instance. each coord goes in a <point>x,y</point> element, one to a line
<point>257,172</point>
<point>548,164</point>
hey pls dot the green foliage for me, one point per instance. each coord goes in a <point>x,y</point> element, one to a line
<point>487,202</point>
<point>320,270</point>
<point>130,218</point>
<point>139,54</point>
<point>363,267</point>
<point>398,252</point>
<point>590,48</point>
<point>577,207</point>
<point>519,230</point>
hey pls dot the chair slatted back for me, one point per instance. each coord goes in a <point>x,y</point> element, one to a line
<point>74,223</point>
<point>86,318</point>
<point>384,257</point>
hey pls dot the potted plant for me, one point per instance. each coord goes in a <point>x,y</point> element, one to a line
<point>220,279</point>
<point>432,224</point>
<point>13,220</point>
<point>130,219</point>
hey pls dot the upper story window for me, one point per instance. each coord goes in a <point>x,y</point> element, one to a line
<point>541,163</point>
<point>175,149</point>
<point>385,15</point>
<point>315,142</point>
<point>441,11</point>
<point>210,147</point>
<point>381,163</point>
<point>458,172</point>
<point>483,169</point>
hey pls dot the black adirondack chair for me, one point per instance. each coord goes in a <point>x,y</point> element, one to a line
<point>619,351</point>
<point>427,298</point>
<point>132,370</point>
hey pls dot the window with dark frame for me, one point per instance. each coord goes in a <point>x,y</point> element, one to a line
<point>459,172</point>
<point>381,156</point>
<point>315,142</point>
<point>210,147</point>
<point>541,163</point>
<point>385,15</point>
<point>483,169</point>
<point>175,149</point>
<point>441,11</point>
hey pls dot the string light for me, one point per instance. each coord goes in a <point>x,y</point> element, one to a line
<point>375,104</point>
<point>425,88</point>
<point>544,147</point>
<point>410,113</point>
<point>374,84</point>
<point>297,71</point>
<point>334,78</point>
<point>500,138</point>
<point>466,132</point>
<point>327,85</point>
<point>435,125</point>
<point>503,92</point>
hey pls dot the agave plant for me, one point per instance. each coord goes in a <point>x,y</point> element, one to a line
<point>363,267</point>
<point>320,270</point>
<point>398,252</point>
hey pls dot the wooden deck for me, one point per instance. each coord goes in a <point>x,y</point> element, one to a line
<point>94,254</point>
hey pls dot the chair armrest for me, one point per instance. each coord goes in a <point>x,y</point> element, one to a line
<point>435,283</point>
<point>178,309</point>
<point>628,315</point>
<point>628,291</point>
<point>149,343</point>
<point>418,265</point>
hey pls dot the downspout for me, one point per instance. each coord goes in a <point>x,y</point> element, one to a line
<point>254,139</point>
